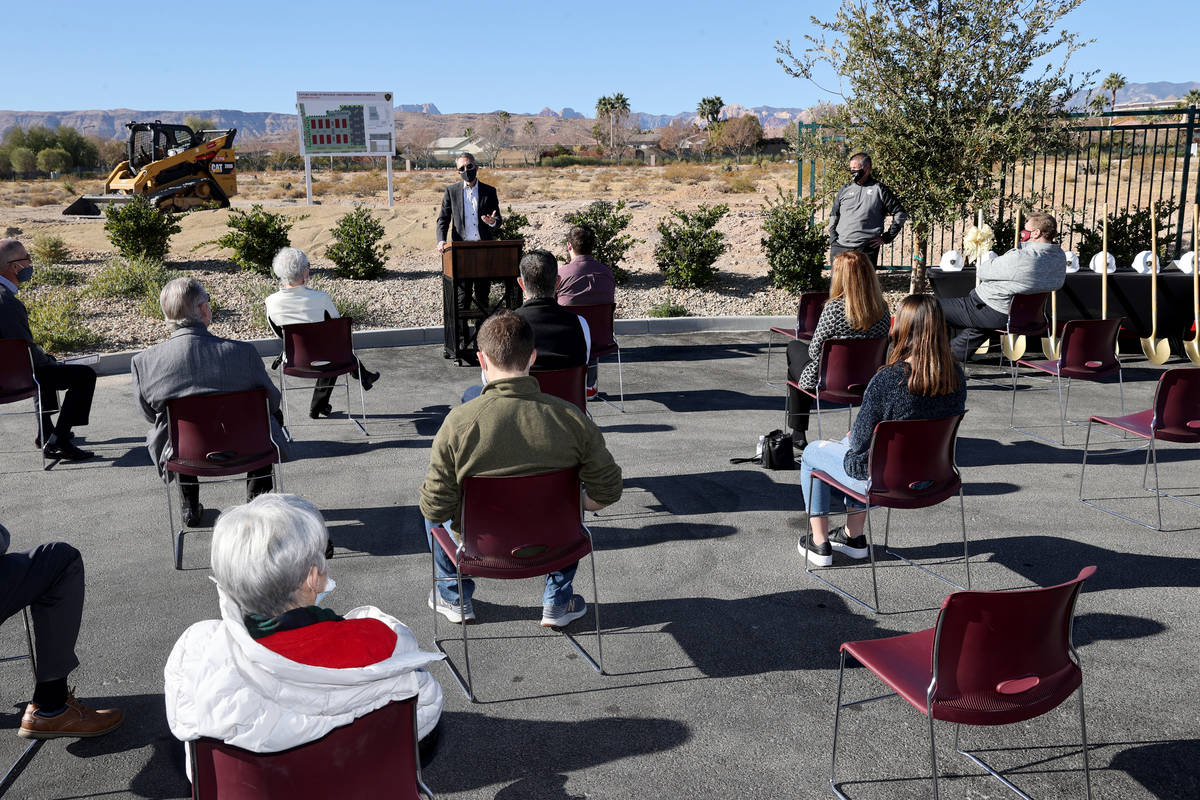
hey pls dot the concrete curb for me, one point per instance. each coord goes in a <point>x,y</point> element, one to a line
<point>117,363</point>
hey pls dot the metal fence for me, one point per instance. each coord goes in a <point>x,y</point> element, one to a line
<point>1124,165</point>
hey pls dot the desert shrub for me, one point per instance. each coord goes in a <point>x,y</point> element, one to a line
<point>43,199</point>
<point>606,221</point>
<point>793,243</point>
<point>571,161</point>
<point>49,249</point>
<point>691,245</point>
<point>56,275</point>
<point>736,183</point>
<point>356,252</point>
<point>130,278</point>
<point>512,225</point>
<point>1128,233</point>
<point>139,230</point>
<point>668,310</point>
<point>684,172</point>
<point>365,184</point>
<point>54,322</point>
<point>255,237</point>
<point>255,289</point>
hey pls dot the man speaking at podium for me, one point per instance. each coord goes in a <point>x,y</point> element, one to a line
<point>470,213</point>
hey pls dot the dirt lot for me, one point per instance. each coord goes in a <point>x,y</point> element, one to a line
<point>410,293</point>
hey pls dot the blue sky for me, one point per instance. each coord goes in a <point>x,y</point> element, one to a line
<point>517,56</point>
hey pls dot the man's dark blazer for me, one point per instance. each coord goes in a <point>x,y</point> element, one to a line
<point>452,212</point>
<point>14,324</point>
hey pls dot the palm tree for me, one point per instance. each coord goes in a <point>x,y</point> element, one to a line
<point>1114,82</point>
<point>709,109</point>
<point>604,109</point>
<point>613,107</point>
<point>1192,98</point>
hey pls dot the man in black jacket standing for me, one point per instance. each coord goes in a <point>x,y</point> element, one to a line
<point>856,220</point>
<point>470,213</point>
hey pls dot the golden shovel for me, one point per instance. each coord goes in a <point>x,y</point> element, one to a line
<point>1192,347</point>
<point>1156,350</point>
<point>1051,344</point>
<point>1012,346</point>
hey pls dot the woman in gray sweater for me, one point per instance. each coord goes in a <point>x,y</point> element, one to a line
<point>920,381</point>
<point>856,310</point>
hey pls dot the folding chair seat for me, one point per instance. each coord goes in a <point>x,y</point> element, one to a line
<point>374,756</point>
<point>845,368</point>
<point>808,314</point>
<point>910,465</point>
<point>1026,318</point>
<point>1174,417</point>
<point>315,350</point>
<point>993,658</point>
<point>18,382</point>
<point>600,320</point>
<point>215,436</point>
<point>514,527</point>
<point>34,745</point>
<point>1089,352</point>
<point>569,383</point>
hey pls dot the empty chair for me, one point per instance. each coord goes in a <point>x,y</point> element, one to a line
<point>846,367</point>
<point>1174,417</point>
<point>1089,352</point>
<point>513,527</point>
<point>993,658</point>
<point>374,756</point>
<point>808,313</point>
<point>17,381</point>
<point>911,466</point>
<point>216,436</point>
<point>604,342</point>
<point>569,384</point>
<point>317,350</point>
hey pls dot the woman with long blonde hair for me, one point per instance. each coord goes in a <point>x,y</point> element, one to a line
<point>921,380</point>
<point>855,310</point>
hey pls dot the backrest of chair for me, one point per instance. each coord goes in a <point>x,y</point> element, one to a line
<point>1177,404</point>
<point>808,312</point>
<point>374,756</point>
<point>16,369</point>
<point>327,341</point>
<point>500,513</point>
<point>1004,642</point>
<point>849,364</point>
<point>237,423</point>
<point>911,461</point>
<point>600,324</point>
<point>1091,345</point>
<point>569,383</point>
<point>1027,315</point>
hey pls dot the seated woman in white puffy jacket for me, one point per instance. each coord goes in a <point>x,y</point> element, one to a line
<point>225,678</point>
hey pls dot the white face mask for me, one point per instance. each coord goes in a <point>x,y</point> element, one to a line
<point>330,585</point>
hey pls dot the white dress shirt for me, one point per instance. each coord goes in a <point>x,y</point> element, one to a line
<point>470,212</point>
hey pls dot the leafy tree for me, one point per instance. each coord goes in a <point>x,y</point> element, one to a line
<point>793,243</point>
<point>741,134</point>
<point>139,230</point>
<point>22,159</point>
<point>198,123</point>
<point>83,151</point>
<point>419,143</point>
<point>5,163</point>
<point>111,152</point>
<point>606,221</point>
<point>941,95</point>
<point>38,138</point>
<point>356,252</point>
<point>691,245</point>
<point>674,137</point>
<point>1113,83</point>
<point>496,137</point>
<point>528,141</point>
<point>53,159</point>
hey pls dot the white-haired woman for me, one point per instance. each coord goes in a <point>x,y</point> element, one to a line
<point>295,304</point>
<point>277,670</point>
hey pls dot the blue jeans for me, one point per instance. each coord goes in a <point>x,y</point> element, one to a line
<point>828,457</point>
<point>558,584</point>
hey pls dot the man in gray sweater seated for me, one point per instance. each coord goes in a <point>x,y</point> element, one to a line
<point>1038,265</point>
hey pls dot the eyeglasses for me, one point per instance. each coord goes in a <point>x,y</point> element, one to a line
<point>467,167</point>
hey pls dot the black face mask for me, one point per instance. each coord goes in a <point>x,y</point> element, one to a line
<point>857,174</point>
<point>469,174</point>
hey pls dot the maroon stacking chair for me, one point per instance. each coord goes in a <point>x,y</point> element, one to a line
<point>374,756</point>
<point>846,367</point>
<point>808,314</point>
<point>216,436</point>
<point>1026,317</point>
<point>1089,353</point>
<point>323,349</point>
<point>18,382</point>
<point>513,527</point>
<point>569,383</point>
<point>993,658</point>
<point>600,320</point>
<point>34,745</point>
<point>1174,417</point>
<point>910,465</point>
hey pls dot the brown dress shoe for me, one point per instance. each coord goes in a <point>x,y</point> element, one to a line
<point>78,720</point>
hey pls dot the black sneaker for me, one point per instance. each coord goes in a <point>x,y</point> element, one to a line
<point>323,411</point>
<point>819,555</point>
<point>367,378</point>
<point>799,441</point>
<point>853,546</point>
<point>192,514</point>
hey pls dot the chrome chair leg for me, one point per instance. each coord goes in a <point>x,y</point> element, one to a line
<point>962,512</point>
<point>1087,771</point>
<point>837,716</point>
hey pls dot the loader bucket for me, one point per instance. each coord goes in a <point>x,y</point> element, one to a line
<point>92,205</point>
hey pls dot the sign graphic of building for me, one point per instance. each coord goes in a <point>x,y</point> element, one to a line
<point>337,130</point>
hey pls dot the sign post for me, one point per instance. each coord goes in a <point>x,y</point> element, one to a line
<point>346,124</point>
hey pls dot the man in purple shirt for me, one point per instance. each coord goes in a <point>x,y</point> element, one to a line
<point>584,281</point>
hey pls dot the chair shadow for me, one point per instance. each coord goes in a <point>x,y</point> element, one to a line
<point>637,428</point>
<point>378,531</point>
<point>665,353</point>
<point>1164,769</point>
<point>721,492</point>
<point>619,538</point>
<point>547,786</point>
<point>694,400</point>
<point>1100,626</point>
<point>989,488</point>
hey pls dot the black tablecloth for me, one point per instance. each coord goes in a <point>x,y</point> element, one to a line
<point>1128,297</point>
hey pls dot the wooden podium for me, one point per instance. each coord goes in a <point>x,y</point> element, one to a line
<point>462,263</point>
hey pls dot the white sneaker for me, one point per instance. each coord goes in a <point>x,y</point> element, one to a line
<point>450,610</point>
<point>558,616</point>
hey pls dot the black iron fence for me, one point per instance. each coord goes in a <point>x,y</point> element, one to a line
<point>1124,164</point>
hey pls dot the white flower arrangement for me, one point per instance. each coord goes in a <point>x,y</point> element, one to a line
<point>977,242</point>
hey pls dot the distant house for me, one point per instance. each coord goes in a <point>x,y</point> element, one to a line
<point>449,148</point>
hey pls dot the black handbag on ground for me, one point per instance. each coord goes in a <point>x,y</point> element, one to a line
<point>774,452</point>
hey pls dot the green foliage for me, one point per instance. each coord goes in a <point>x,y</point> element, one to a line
<point>138,229</point>
<point>356,252</point>
<point>54,322</point>
<point>690,246</point>
<point>133,278</point>
<point>571,161</point>
<point>22,159</point>
<point>255,237</point>
<point>512,225</point>
<point>56,275</point>
<point>48,250</point>
<point>668,310</point>
<point>606,221</point>
<point>198,123</point>
<point>793,243</point>
<point>53,159</point>
<point>1128,233</point>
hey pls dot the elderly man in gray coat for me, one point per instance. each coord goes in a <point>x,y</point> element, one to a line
<point>191,362</point>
